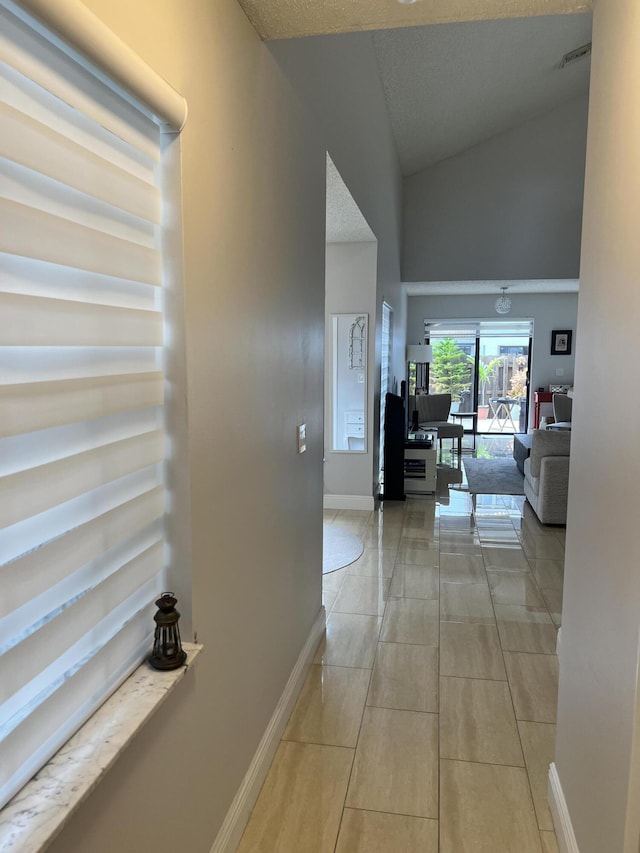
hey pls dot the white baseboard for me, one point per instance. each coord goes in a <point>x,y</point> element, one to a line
<point>560,813</point>
<point>348,502</point>
<point>236,819</point>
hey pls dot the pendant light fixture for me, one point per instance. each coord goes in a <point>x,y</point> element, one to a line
<point>503,303</point>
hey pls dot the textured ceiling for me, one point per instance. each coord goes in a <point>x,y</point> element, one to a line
<point>345,222</point>
<point>293,18</point>
<point>451,87</point>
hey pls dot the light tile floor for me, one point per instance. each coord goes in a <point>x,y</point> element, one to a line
<point>427,721</point>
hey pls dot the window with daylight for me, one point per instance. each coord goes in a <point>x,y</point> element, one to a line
<point>82,438</point>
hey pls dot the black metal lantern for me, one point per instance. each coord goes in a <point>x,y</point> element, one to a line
<point>167,649</point>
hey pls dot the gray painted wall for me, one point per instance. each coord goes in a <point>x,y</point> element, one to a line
<point>598,743</point>
<point>350,289</point>
<point>510,208</point>
<point>337,79</point>
<point>548,311</point>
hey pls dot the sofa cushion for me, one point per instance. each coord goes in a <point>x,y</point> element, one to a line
<point>445,429</point>
<point>521,449</point>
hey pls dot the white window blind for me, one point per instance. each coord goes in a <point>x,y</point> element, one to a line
<point>81,392</point>
<point>500,328</point>
<point>385,365</point>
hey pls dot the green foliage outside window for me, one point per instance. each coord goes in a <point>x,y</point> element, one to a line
<point>450,371</point>
<point>518,381</point>
<point>485,374</point>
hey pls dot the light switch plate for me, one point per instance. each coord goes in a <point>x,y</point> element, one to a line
<point>559,371</point>
<point>302,438</point>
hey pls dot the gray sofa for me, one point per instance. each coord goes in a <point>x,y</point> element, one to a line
<point>546,475</point>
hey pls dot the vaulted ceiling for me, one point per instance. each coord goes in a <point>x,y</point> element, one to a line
<point>487,67</point>
<point>492,67</point>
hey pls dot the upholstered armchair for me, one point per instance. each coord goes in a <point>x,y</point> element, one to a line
<point>562,406</point>
<point>433,414</point>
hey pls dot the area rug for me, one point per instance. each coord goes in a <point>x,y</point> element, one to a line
<point>339,548</point>
<point>493,477</point>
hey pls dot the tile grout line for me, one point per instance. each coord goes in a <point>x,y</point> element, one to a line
<point>515,716</point>
<point>364,708</point>
<point>361,717</point>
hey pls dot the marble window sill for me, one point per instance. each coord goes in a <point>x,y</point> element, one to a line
<point>32,819</point>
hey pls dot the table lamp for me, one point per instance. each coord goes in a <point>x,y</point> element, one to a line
<point>417,354</point>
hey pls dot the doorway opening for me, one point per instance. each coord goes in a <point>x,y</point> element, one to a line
<point>351,269</point>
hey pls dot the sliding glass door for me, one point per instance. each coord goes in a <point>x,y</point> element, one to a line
<point>484,365</point>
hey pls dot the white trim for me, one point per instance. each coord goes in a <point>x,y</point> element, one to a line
<point>84,31</point>
<point>348,502</point>
<point>560,813</point>
<point>236,819</point>
<point>558,642</point>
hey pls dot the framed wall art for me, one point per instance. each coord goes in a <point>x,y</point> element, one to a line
<point>561,342</point>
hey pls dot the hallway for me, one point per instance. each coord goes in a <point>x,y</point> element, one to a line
<point>427,721</point>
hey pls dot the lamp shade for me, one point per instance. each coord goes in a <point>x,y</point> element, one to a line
<point>419,353</point>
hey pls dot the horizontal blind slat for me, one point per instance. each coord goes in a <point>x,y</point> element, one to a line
<point>69,244</point>
<point>30,535</point>
<point>23,579</point>
<point>35,321</point>
<point>35,146</point>
<point>32,364</point>
<point>30,744</point>
<point>49,197</point>
<point>30,492</point>
<point>30,98</point>
<point>50,650</point>
<point>40,405</point>
<point>36,278</point>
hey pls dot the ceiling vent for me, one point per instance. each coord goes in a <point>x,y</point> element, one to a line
<point>575,55</point>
